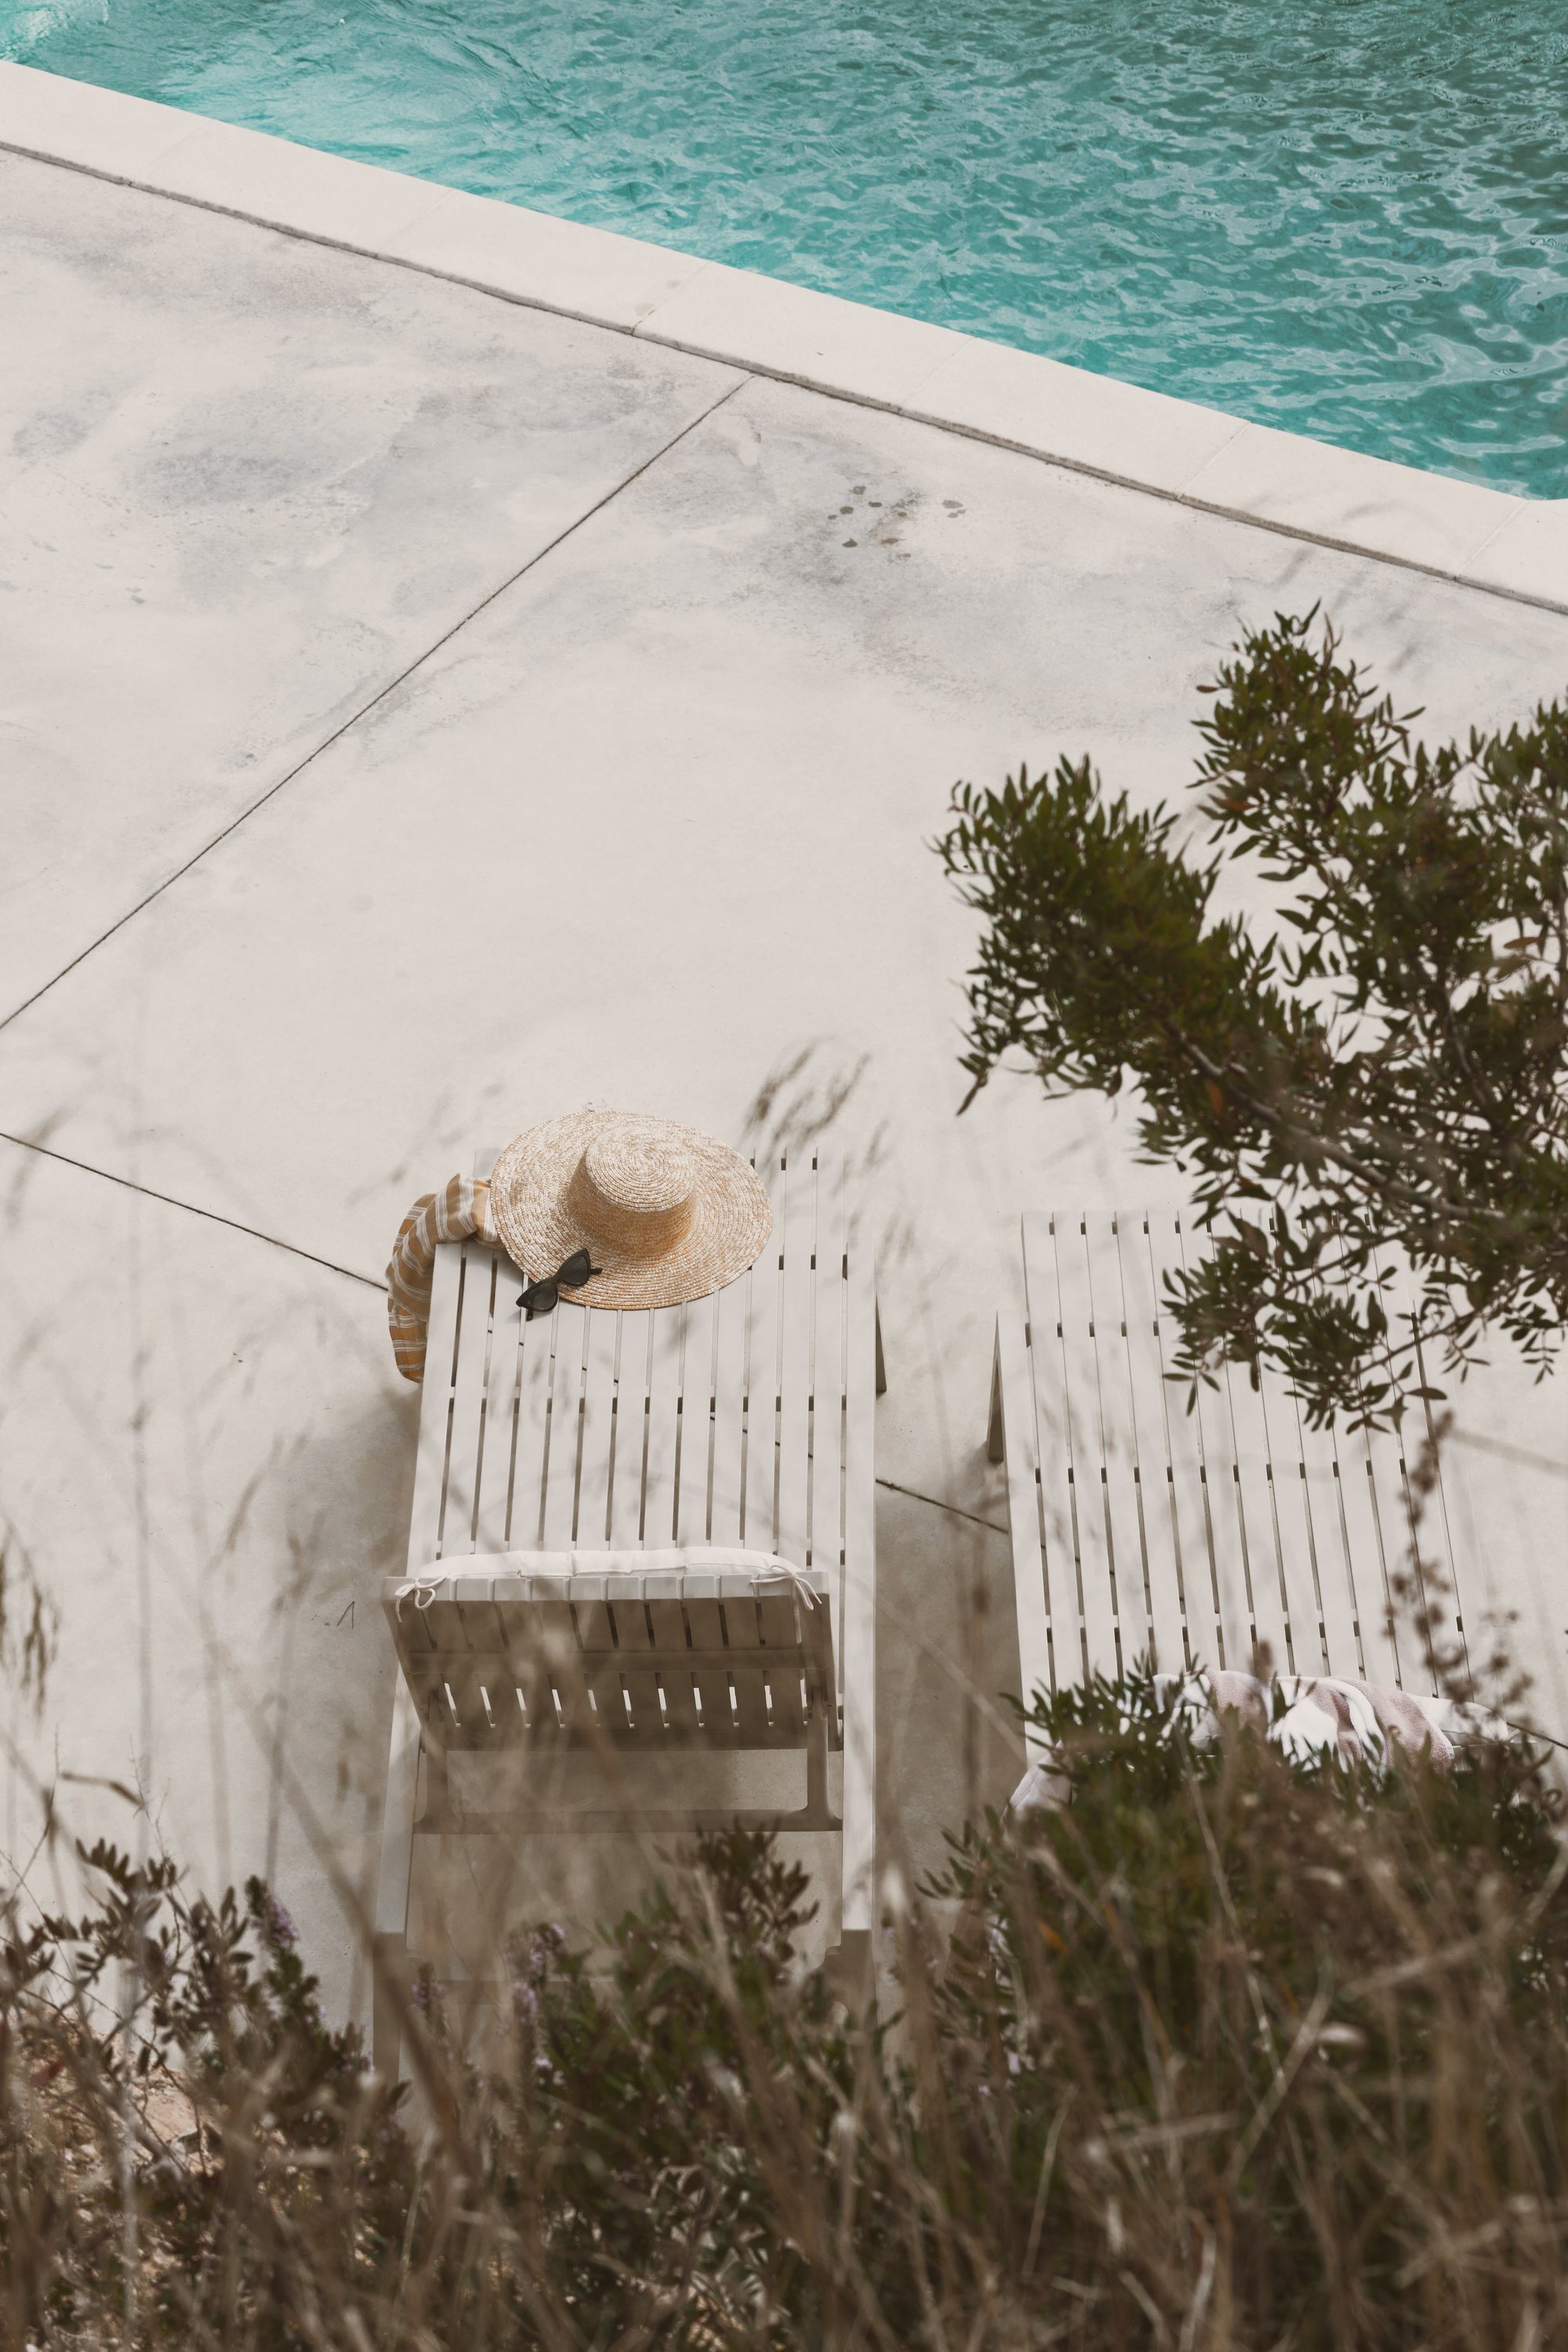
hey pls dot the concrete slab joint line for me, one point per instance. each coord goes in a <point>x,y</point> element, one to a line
<point>191,1209</point>
<point>1171,449</point>
<point>373,701</point>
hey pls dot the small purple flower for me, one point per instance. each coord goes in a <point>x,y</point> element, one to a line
<point>548,1943</point>
<point>280,1928</point>
<point>276,1927</point>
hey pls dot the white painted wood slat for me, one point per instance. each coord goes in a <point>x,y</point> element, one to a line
<point>695,1423</point>
<point>799,1246</point>
<point>857,1636</point>
<point>1085,1449</point>
<point>630,1430</point>
<point>1159,1527</point>
<point>826,1532</point>
<point>435,1411</point>
<point>1119,1449</point>
<point>596,1443</point>
<point>759,1515</point>
<point>461,1509</point>
<point>728,1469</point>
<point>500,1411</point>
<point>1053,1446</point>
<point>1031,1592</point>
<point>565,1423</point>
<point>668,1335</point>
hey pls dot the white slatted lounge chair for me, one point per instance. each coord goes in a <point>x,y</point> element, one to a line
<point>1142,1530</point>
<point>644,1532</point>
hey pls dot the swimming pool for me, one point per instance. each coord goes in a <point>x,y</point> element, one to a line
<point>1347,217</point>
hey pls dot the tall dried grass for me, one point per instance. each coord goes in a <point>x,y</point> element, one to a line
<point>1223,2053</point>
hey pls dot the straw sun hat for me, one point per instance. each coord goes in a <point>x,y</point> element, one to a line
<point>666,1213</point>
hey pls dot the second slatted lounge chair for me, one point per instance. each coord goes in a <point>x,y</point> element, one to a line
<point>1142,1530</point>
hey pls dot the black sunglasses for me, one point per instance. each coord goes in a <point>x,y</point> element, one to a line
<point>543,1297</point>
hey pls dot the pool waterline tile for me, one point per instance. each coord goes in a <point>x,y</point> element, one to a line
<point>1066,414</point>
<point>324,197</point>
<point>805,338</point>
<point>524,257</point>
<point>844,349</point>
<point>77,122</point>
<point>1529,552</point>
<point>1343,495</point>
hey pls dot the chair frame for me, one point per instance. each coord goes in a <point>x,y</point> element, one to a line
<point>1215,1533</point>
<point>776,1376</point>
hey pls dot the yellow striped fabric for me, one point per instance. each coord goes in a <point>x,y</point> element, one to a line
<point>462,1209</point>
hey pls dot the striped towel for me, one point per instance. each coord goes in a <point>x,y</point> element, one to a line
<point>461,1210</point>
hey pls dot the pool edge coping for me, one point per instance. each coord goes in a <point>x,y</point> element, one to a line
<point>1471,536</point>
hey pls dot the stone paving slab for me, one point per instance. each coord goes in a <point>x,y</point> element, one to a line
<point>206,1470</point>
<point>246,482</point>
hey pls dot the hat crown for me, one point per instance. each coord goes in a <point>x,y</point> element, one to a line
<point>633,1188</point>
<point>667,1213</point>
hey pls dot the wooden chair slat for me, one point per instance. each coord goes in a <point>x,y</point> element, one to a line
<point>1190,1503</point>
<point>759,1520</point>
<point>733,1312</point>
<point>696,1424</point>
<point>1052,1442</point>
<point>1031,1588</point>
<point>463,1457</point>
<point>663,1424</point>
<point>1158,1521</point>
<point>563,1458</point>
<point>536,1367</point>
<point>631,1430</point>
<point>856,1629</point>
<point>1081,1440</point>
<point>1209,1415</point>
<point>1310,1652</point>
<point>1258,1516</point>
<point>1120,1459</point>
<point>495,1488</point>
<point>666,1624</point>
<point>826,1535</point>
<point>596,1444</point>
<point>799,1283</point>
<point>741,1626</point>
<point>435,1411</point>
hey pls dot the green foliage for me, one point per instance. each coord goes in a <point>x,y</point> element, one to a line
<point>1387,1071</point>
<point>1222,2052</point>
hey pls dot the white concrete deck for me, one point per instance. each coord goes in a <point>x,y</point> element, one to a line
<point>428,712</point>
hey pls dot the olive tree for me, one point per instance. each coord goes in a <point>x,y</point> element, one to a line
<point>1380,1074</point>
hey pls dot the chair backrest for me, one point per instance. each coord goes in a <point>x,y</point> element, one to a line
<point>743,1419</point>
<point>1202,1535</point>
<point>676,1657</point>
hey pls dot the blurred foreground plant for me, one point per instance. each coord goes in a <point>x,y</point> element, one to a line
<point>1222,2052</point>
<point>1389,1072</point>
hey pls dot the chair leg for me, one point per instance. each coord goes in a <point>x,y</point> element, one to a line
<point>390,1943</point>
<point>816,1805</point>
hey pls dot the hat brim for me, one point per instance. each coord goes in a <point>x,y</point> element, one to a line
<point>731,1216</point>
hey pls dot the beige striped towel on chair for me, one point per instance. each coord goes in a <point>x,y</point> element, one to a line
<point>452,1216</point>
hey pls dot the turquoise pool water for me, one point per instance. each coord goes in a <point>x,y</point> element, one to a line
<point>1347,217</point>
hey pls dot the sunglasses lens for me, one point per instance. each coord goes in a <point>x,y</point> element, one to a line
<point>539,1298</point>
<point>575,1270</point>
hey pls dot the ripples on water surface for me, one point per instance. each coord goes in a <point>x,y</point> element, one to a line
<point>1348,218</point>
